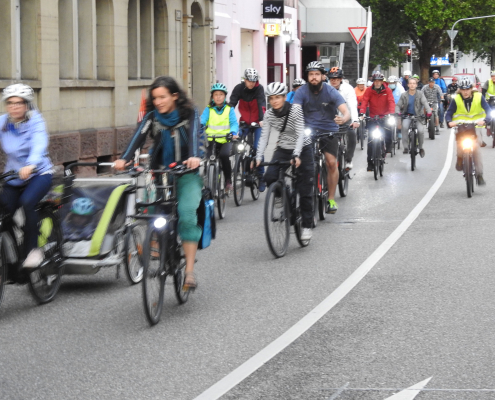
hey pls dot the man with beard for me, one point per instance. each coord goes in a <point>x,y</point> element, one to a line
<point>250,96</point>
<point>320,104</point>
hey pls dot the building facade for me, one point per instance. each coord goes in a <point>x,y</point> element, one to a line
<point>89,60</point>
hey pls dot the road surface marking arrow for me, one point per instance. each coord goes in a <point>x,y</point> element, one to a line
<point>411,392</point>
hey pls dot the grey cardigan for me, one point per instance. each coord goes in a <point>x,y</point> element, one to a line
<point>420,103</point>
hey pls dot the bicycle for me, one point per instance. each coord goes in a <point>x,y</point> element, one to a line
<point>44,281</point>
<point>413,139</point>
<point>392,123</point>
<point>378,145</point>
<point>469,139</point>
<point>162,250</point>
<point>320,197</point>
<point>430,122</point>
<point>282,209</point>
<point>215,177</point>
<point>491,103</point>
<point>245,173</point>
<point>361,133</point>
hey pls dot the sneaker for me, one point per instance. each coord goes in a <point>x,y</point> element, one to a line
<point>458,164</point>
<point>370,166</point>
<point>481,181</point>
<point>331,207</point>
<point>436,130</point>
<point>34,259</point>
<point>306,234</point>
<point>262,186</point>
<point>483,144</point>
<point>348,165</point>
<point>441,124</point>
<point>422,152</point>
<point>406,151</point>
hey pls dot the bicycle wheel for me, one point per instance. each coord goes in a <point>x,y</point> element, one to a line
<point>394,141</point>
<point>361,134</point>
<point>376,158</point>
<point>3,270</point>
<point>211,181</point>
<point>412,141</point>
<point>323,187</point>
<point>468,173</point>
<point>222,196</point>
<point>44,281</point>
<point>381,164</point>
<point>276,220</point>
<point>431,127</point>
<point>239,182</point>
<point>343,176</point>
<point>179,276</point>
<point>153,274</point>
<point>133,251</point>
<point>315,196</point>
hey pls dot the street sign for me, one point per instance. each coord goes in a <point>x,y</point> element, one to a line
<point>357,33</point>
<point>407,45</point>
<point>452,33</point>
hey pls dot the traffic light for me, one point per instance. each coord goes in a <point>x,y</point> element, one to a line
<point>409,55</point>
<point>452,57</point>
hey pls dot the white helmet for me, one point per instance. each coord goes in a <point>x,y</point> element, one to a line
<point>276,88</point>
<point>18,90</point>
<point>392,79</point>
<point>251,75</point>
<point>407,73</point>
<point>361,81</point>
<point>369,83</point>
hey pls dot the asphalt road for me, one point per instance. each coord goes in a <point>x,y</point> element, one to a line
<point>425,310</point>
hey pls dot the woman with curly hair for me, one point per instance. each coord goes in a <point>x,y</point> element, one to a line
<point>173,123</point>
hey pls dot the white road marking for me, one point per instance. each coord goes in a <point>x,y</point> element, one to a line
<point>279,344</point>
<point>411,392</point>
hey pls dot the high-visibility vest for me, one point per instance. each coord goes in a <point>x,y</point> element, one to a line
<point>219,124</point>
<point>477,112</point>
<point>491,89</point>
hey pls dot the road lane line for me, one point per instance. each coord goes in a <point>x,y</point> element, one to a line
<point>411,392</point>
<point>279,344</point>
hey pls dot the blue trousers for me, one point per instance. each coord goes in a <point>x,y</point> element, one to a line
<point>257,135</point>
<point>27,197</point>
<point>440,112</point>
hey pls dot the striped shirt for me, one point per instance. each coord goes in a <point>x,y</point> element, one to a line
<point>293,137</point>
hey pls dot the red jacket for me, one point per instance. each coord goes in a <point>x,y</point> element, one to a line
<point>380,103</point>
<point>252,103</point>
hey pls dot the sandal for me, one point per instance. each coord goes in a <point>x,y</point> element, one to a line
<point>189,282</point>
<point>155,254</point>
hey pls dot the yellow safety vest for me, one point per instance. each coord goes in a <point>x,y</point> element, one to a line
<point>218,124</point>
<point>491,89</point>
<point>474,114</point>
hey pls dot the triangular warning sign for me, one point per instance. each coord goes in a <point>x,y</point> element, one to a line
<point>357,33</point>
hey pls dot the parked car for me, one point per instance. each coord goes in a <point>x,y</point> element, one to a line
<point>473,78</point>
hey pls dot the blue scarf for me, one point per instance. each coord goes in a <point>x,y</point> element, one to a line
<point>168,142</point>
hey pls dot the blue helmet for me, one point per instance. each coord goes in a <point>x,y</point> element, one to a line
<point>219,86</point>
<point>82,206</point>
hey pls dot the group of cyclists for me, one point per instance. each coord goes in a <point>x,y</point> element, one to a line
<point>313,108</point>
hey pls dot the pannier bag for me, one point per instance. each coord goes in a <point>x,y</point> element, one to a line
<point>206,218</point>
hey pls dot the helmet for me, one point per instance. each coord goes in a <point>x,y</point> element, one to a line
<point>369,83</point>
<point>298,82</point>
<point>492,73</point>
<point>361,81</point>
<point>407,73</point>
<point>336,72</point>
<point>415,76</point>
<point>82,206</point>
<point>435,71</point>
<point>251,75</point>
<point>315,66</point>
<point>392,79</point>
<point>465,84</point>
<point>454,79</point>
<point>18,90</point>
<point>219,86</point>
<point>378,76</point>
<point>276,88</point>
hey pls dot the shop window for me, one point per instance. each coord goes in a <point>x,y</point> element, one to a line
<point>140,39</point>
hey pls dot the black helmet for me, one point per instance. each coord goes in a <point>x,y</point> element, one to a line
<point>377,76</point>
<point>315,66</point>
<point>336,72</point>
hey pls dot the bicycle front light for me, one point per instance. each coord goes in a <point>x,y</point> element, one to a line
<point>391,121</point>
<point>160,223</point>
<point>467,144</point>
<point>376,134</point>
<point>492,114</point>
<point>307,131</point>
<point>240,147</point>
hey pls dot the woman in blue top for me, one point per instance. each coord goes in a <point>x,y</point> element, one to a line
<point>24,140</point>
<point>173,123</point>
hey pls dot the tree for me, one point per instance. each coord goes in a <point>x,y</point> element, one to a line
<point>425,23</point>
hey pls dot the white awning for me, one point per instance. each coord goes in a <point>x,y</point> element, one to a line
<point>327,21</point>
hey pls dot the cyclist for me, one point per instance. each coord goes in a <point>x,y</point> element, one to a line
<point>420,84</point>
<point>250,96</point>
<point>173,123</point>
<point>405,80</point>
<point>320,104</point>
<point>380,100</point>
<point>24,140</point>
<point>288,122</point>
<point>452,88</point>
<point>488,87</point>
<point>296,84</point>
<point>434,95</point>
<point>413,102</point>
<point>336,75</point>
<point>471,106</point>
<point>360,89</point>
<point>443,87</point>
<point>220,119</point>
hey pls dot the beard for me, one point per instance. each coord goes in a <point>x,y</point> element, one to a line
<point>317,87</point>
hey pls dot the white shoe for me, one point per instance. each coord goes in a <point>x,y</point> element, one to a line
<point>306,234</point>
<point>34,259</point>
<point>348,165</point>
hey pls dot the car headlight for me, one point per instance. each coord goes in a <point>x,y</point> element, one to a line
<point>376,134</point>
<point>240,147</point>
<point>492,114</point>
<point>467,144</point>
<point>307,131</point>
<point>391,121</point>
<point>160,223</point>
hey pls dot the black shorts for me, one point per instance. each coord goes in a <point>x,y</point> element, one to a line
<point>330,145</point>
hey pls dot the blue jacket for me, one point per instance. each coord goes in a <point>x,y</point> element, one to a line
<point>26,144</point>
<point>440,82</point>
<point>234,125</point>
